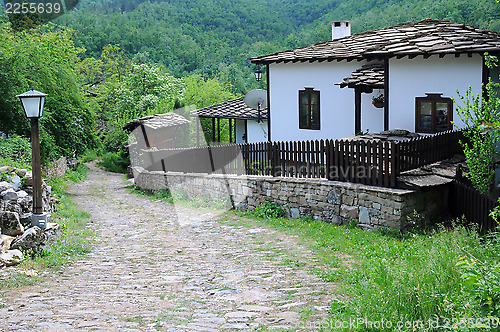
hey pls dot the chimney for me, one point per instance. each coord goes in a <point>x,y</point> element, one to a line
<point>341,29</point>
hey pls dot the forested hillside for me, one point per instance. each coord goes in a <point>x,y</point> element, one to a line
<point>214,38</point>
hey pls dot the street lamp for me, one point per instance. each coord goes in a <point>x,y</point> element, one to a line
<point>33,102</point>
<point>258,75</point>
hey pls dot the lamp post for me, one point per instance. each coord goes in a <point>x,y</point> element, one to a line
<point>33,102</point>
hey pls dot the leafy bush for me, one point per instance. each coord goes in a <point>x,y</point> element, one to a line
<point>482,282</point>
<point>270,210</point>
<point>15,148</point>
<point>115,162</point>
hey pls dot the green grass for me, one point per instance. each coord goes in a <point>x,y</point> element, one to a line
<point>383,275</point>
<point>73,242</point>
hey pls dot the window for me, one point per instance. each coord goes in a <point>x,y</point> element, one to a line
<point>433,113</point>
<point>309,109</point>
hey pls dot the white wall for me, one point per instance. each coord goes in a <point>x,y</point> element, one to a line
<point>372,118</point>
<point>336,104</point>
<point>240,131</point>
<point>410,78</point>
<point>257,132</point>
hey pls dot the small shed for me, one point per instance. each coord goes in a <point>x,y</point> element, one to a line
<point>158,130</point>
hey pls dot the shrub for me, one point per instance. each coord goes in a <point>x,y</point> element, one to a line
<point>482,282</point>
<point>115,162</point>
<point>270,210</point>
<point>15,148</point>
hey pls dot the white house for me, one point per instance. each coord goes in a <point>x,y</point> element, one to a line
<point>325,90</point>
<point>246,125</point>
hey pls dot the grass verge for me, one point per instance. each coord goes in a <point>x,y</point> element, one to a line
<point>388,281</point>
<point>73,242</point>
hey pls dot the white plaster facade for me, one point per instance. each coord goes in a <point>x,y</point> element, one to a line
<point>257,132</point>
<point>408,79</point>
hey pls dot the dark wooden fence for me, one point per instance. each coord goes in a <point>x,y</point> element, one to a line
<point>429,149</point>
<point>468,202</point>
<point>372,162</point>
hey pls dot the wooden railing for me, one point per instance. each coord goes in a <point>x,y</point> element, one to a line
<point>372,162</point>
<point>429,149</point>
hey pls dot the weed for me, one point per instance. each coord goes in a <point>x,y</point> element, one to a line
<point>270,210</point>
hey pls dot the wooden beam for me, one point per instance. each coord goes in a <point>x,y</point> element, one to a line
<point>218,130</point>
<point>386,94</point>
<point>268,76</point>
<point>427,56</point>
<point>230,131</point>
<point>146,140</point>
<point>357,110</point>
<point>246,131</point>
<point>198,131</point>
<point>213,129</point>
<point>412,56</point>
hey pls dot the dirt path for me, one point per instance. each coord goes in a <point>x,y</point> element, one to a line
<point>148,272</point>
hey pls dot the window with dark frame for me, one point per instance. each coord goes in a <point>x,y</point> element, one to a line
<point>433,113</point>
<point>309,109</point>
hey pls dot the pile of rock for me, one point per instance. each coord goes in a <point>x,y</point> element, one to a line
<point>17,233</point>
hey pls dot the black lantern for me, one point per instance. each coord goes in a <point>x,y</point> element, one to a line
<point>258,75</point>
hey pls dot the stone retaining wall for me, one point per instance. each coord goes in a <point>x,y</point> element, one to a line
<point>331,201</point>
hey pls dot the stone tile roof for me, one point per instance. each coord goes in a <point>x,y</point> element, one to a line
<point>369,75</point>
<point>232,109</point>
<point>425,37</point>
<point>157,121</point>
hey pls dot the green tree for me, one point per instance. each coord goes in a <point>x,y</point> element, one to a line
<point>44,59</point>
<point>480,148</point>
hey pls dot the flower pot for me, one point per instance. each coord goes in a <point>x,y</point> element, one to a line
<point>378,105</point>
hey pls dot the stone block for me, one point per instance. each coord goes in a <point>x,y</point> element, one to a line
<point>10,223</point>
<point>9,195</point>
<point>386,210</point>
<point>11,257</point>
<point>334,196</point>
<point>347,200</point>
<point>349,212</point>
<point>376,206</point>
<point>364,216</point>
<point>294,213</point>
<point>5,241</point>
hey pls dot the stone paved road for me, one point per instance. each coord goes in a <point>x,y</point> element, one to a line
<point>149,271</point>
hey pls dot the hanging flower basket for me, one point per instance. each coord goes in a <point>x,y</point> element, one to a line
<point>378,101</point>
